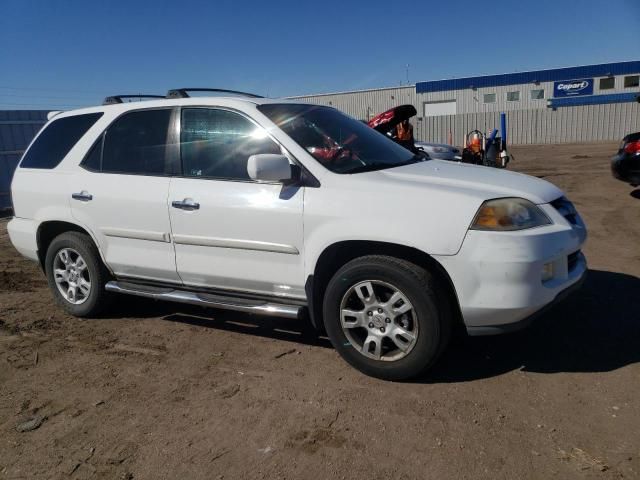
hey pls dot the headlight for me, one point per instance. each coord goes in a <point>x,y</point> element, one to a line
<point>508,214</point>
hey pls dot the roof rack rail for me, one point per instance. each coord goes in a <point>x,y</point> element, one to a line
<point>113,99</point>
<point>182,92</point>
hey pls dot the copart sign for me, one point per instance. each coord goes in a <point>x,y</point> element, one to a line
<point>572,88</point>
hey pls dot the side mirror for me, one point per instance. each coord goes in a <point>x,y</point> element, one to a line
<point>269,167</point>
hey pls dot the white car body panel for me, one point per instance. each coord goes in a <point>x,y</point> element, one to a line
<point>245,236</point>
<point>128,216</point>
<point>267,238</point>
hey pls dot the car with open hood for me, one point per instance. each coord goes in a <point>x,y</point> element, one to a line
<point>387,121</point>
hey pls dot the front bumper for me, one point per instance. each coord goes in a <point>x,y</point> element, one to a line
<point>498,275</point>
<point>525,322</point>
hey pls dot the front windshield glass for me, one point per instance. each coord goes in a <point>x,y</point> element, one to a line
<point>340,143</point>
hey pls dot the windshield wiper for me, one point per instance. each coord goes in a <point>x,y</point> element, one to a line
<point>370,167</point>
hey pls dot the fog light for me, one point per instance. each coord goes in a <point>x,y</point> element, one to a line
<point>547,271</point>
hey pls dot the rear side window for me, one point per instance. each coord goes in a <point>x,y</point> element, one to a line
<point>53,144</point>
<point>136,143</point>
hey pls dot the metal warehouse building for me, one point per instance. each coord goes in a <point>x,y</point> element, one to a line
<point>562,105</point>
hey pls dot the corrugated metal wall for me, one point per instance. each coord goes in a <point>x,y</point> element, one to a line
<point>17,129</point>
<point>365,104</point>
<point>532,123</point>
<point>588,123</point>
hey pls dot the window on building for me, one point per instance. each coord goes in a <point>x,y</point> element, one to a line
<point>489,98</point>
<point>513,96</point>
<point>607,83</point>
<point>218,143</point>
<point>631,81</point>
<point>136,143</point>
<point>537,94</point>
<point>53,144</point>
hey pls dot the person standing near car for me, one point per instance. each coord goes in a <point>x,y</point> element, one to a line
<point>404,135</point>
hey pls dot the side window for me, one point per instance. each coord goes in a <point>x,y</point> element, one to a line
<point>513,96</point>
<point>136,143</point>
<point>93,158</point>
<point>489,98</point>
<point>537,94</point>
<point>217,143</point>
<point>53,144</point>
<point>607,83</point>
<point>631,81</point>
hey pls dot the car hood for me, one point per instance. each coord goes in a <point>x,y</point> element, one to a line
<point>387,121</point>
<point>475,180</point>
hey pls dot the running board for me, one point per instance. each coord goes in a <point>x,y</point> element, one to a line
<point>206,299</point>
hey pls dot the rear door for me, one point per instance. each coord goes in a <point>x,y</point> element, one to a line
<point>232,233</point>
<point>121,191</point>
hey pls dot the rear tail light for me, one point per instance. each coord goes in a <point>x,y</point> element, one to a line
<point>632,147</point>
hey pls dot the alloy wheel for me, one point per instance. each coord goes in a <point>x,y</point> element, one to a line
<point>71,274</point>
<point>379,320</point>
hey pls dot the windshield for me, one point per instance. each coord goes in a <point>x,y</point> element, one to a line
<point>340,143</point>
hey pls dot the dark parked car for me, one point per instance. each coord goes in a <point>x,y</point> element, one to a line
<point>625,165</point>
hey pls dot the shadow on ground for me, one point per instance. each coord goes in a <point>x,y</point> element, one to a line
<point>285,329</point>
<point>635,194</point>
<point>597,329</point>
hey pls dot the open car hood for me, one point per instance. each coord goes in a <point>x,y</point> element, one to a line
<point>386,121</point>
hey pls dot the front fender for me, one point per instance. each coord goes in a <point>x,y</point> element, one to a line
<point>432,222</point>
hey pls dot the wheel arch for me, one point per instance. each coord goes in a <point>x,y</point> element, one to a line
<point>50,229</point>
<point>339,253</point>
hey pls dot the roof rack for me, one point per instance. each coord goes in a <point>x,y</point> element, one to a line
<point>182,92</point>
<point>113,99</point>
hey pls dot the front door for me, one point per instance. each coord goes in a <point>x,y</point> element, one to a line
<point>120,194</point>
<point>231,233</point>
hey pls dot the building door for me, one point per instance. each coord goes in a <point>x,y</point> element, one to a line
<point>441,107</point>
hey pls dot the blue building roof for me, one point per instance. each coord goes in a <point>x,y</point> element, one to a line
<point>553,75</point>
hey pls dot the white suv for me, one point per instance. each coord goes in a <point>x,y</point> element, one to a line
<point>281,208</point>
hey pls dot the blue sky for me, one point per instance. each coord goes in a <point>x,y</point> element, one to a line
<point>67,53</point>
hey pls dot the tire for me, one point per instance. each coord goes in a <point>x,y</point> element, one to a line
<point>87,303</point>
<point>425,326</point>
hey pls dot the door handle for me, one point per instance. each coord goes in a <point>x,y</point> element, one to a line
<point>83,196</point>
<point>186,204</point>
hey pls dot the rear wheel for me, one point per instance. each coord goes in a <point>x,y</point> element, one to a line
<point>76,274</point>
<point>386,317</point>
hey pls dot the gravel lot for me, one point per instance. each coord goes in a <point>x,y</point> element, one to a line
<point>159,391</point>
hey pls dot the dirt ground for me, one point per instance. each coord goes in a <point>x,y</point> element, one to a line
<point>160,390</point>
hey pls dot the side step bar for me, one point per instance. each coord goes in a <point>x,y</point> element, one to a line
<point>205,299</point>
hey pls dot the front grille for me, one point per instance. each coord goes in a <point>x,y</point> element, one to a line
<point>572,260</point>
<point>566,209</point>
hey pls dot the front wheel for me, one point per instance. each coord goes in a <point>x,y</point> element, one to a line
<point>387,317</point>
